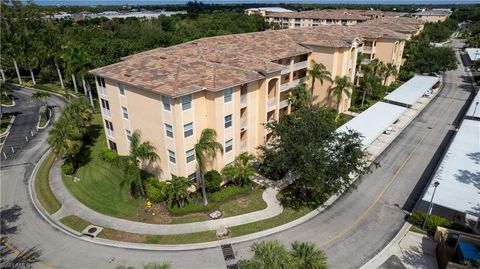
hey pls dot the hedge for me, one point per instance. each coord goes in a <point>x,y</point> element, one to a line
<point>417,218</point>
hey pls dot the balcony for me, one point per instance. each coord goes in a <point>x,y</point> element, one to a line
<point>299,65</point>
<point>367,49</point>
<point>106,112</point>
<point>243,99</point>
<point>271,102</point>
<point>366,60</point>
<point>284,87</point>
<point>102,90</point>
<point>287,69</point>
<point>243,123</point>
<point>283,103</point>
<point>295,82</point>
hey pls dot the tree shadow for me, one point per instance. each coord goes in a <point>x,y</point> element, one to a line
<point>93,133</point>
<point>468,177</point>
<point>7,217</point>
<point>23,259</point>
<point>475,156</point>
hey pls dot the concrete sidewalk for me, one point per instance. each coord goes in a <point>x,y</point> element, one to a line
<point>71,206</point>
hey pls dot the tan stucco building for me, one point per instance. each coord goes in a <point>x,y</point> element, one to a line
<point>433,15</point>
<point>233,84</point>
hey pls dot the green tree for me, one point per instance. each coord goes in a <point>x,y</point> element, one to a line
<point>341,86</point>
<point>79,114</point>
<point>299,97</point>
<point>241,170</point>
<point>307,256</point>
<point>268,255</point>
<point>390,70</point>
<point>41,95</point>
<point>65,139</point>
<point>368,83</point>
<point>318,71</point>
<point>206,150</point>
<point>178,190</point>
<point>141,153</point>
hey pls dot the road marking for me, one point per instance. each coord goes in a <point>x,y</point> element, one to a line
<point>392,179</point>
<point>17,252</point>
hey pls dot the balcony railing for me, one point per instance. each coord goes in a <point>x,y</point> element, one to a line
<point>243,98</point>
<point>271,101</point>
<point>287,69</point>
<point>296,82</point>
<point>366,60</point>
<point>243,123</point>
<point>106,112</point>
<point>284,87</point>
<point>368,49</point>
<point>299,65</point>
<point>283,103</point>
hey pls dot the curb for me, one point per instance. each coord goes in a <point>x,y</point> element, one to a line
<point>8,128</point>
<point>48,121</point>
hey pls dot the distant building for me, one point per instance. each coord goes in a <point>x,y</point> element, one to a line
<point>433,15</point>
<point>58,16</point>
<point>264,10</point>
<point>137,14</point>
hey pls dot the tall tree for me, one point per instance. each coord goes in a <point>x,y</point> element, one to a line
<point>368,83</point>
<point>318,71</point>
<point>178,189</point>
<point>268,255</point>
<point>390,70</point>
<point>341,86</point>
<point>141,153</point>
<point>39,95</point>
<point>206,150</point>
<point>65,139</point>
<point>307,256</point>
<point>299,97</point>
<point>241,170</point>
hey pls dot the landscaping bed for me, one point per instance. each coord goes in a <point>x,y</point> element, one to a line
<point>100,188</point>
<point>42,186</point>
<point>5,121</point>
<point>44,116</point>
<point>6,100</point>
<point>74,222</point>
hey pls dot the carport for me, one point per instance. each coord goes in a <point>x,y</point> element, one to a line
<point>473,111</point>
<point>411,91</point>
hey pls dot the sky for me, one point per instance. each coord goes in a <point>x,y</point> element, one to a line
<point>159,2</point>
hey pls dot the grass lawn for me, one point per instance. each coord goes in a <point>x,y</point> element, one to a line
<point>100,189</point>
<point>5,121</point>
<point>53,87</point>
<point>42,187</point>
<point>416,229</point>
<point>74,222</point>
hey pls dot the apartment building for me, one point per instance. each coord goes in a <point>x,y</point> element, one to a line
<point>324,17</point>
<point>405,25</point>
<point>433,15</point>
<point>233,84</point>
<point>263,11</point>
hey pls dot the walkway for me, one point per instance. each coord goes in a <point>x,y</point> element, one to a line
<point>71,206</point>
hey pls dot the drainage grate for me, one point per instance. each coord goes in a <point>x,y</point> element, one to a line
<point>227,251</point>
<point>233,266</point>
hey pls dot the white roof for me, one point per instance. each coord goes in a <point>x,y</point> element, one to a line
<point>473,53</point>
<point>412,90</point>
<point>459,172</point>
<point>472,108</point>
<point>271,9</point>
<point>372,122</point>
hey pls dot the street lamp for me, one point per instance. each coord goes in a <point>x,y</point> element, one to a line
<point>435,185</point>
<point>475,109</point>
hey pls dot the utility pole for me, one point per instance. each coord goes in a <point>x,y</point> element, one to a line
<point>435,185</point>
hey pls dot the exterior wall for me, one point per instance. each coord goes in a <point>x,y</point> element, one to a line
<point>432,18</point>
<point>291,23</point>
<point>389,51</point>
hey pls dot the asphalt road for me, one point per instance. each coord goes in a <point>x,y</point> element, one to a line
<point>352,231</point>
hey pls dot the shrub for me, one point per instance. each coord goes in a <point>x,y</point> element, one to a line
<point>47,74</point>
<point>189,208</point>
<point>108,155</point>
<point>161,188</point>
<point>212,181</point>
<point>417,218</point>
<point>153,194</point>
<point>67,168</point>
<point>228,192</point>
<point>272,167</point>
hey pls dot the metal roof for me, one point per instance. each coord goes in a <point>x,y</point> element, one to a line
<point>372,122</point>
<point>474,108</point>
<point>473,53</point>
<point>412,90</point>
<point>459,172</point>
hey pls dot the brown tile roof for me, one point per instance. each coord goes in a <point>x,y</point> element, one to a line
<point>322,14</point>
<point>398,24</point>
<point>216,63</point>
<point>366,31</point>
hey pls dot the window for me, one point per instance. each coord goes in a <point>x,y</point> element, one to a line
<point>129,134</point>
<point>227,95</point>
<point>171,156</point>
<point>193,177</point>
<point>188,129</point>
<point>105,107</point>
<point>109,126</point>
<point>101,85</point>
<point>228,145</point>
<point>190,155</point>
<point>186,102</point>
<point>125,112</point>
<point>121,89</point>
<point>228,121</point>
<point>169,130</point>
<point>112,145</point>
<point>166,103</point>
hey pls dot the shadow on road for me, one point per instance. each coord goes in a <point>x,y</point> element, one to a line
<point>8,216</point>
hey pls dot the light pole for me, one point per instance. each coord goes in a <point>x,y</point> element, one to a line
<point>435,185</point>
<point>475,109</point>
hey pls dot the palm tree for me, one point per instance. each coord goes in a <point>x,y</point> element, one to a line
<point>369,82</point>
<point>299,97</point>
<point>141,153</point>
<point>206,150</point>
<point>79,113</point>
<point>390,70</point>
<point>65,139</point>
<point>178,189</point>
<point>268,255</point>
<point>342,85</point>
<point>318,71</point>
<point>306,256</point>
<point>241,170</point>
<point>38,95</point>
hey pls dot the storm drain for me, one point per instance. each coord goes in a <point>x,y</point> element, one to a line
<point>227,251</point>
<point>233,266</point>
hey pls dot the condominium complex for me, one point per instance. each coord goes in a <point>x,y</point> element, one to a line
<point>263,11</point>
<point>233,84</point>
<point>433,15</point>
<point>324,17</point>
